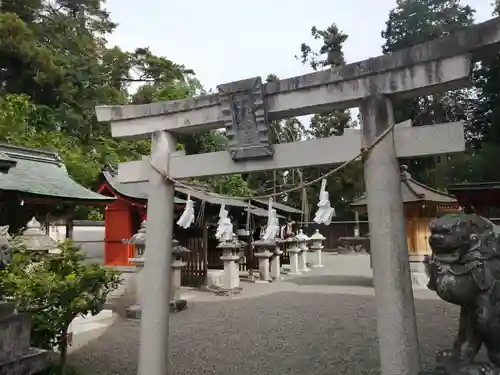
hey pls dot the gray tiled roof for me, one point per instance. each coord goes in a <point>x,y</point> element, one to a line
<point>136,190</point>
<point>414,191</point>
<point>42,173</point>
<point>6,163</point>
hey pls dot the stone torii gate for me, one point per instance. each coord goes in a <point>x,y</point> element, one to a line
<point>244,109</point>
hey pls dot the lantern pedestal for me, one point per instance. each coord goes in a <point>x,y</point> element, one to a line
<point>263,257</point>
<point>317,255</point>
<point>139,267</point>
<point>419,277</point>
<point>316,249</point>
<point>303,261</point>
<point>264,253</point>
<point>176,303</point>
<point>231,276</point>
<point>276,263</point>
<point>294,252</point>
<point>134,311</point>
<point>302,244</point>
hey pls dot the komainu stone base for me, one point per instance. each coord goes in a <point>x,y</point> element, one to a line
<point>134,312</point>
<point>35,361</point>
<point>446,365</point>
<point>16,355</point>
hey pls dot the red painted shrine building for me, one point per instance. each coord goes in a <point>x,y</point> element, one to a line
<point>123,216</point>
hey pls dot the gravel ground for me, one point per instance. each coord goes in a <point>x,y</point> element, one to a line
<point>286,330</point>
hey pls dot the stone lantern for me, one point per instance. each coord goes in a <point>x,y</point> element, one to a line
<point>36,240</point>
<point>293,252</point>
<point>276,261</point>
<point>139,240</point>
<point>317,249</point>
<point>302,244</point>
<point>178,253</point>
<point>230,256</point>
<point>264,251</point>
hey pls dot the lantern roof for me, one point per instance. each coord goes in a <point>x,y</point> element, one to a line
<point>414,192</point>
<point>34,239</point>
<point>317,236</point>
<point>301,237</point>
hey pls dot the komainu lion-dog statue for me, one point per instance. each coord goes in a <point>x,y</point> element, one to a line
<point>464,269</point>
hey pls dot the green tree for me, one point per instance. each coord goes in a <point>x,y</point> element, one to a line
<point>54,55</point>
<point>348,183</point>
<point>483,127</point>
<point>54,289</point>
<point>413,22</point>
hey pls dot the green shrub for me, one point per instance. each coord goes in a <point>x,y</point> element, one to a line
<point>54,289</point>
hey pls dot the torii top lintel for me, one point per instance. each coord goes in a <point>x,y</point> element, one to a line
<point>439,65</point>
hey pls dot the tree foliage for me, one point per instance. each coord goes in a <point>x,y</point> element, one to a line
<point>413,22</point>
<point>348,183</point>
<point>55,67</point>
<point>54,289</point>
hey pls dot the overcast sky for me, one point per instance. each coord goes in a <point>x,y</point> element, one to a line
<point>227,40</point>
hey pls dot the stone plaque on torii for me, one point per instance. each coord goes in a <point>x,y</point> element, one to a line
<point>245,107</point>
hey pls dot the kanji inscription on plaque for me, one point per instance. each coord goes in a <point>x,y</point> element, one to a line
<point>245,119</point>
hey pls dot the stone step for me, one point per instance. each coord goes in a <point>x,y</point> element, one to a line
<point>14,336</point>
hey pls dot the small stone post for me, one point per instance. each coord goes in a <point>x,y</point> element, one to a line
<point>276,261</point>
<point>230,257</point>
<point>317,249</point>
<point>293,251</point>
<point>302,243</point>
<point>263,254</point>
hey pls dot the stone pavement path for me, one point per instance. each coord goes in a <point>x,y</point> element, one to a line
<point>317,324</point>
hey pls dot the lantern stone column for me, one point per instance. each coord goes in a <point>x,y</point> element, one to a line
<point>317,249</point>
<point>293,251</point>
<point>302,244</point>
<point>264,252</point>
<point>139,242</point>
<point>276,261</point>
<point>176,302</point>
<point>230,257</point>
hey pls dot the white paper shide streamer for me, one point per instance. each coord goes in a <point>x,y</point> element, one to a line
<point>325,211</point>
<point>273,226</point>
<point>187,216</point>
<point>224,225</point>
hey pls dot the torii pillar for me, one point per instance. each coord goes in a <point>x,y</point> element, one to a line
<point>391,273</point>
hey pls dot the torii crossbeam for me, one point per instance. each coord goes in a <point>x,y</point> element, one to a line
<point>244,109</point>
